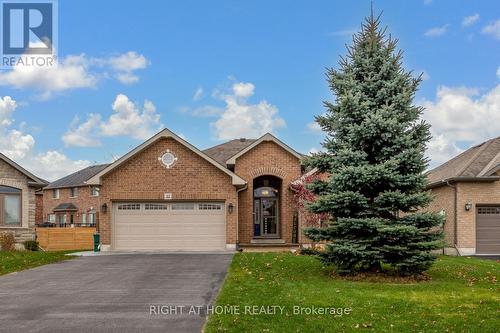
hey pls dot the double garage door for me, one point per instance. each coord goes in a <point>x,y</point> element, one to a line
<point>188,226</point>
<point>488,230</point>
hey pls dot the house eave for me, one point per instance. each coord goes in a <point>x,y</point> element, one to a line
<point>165,133</point>
<point>443,182</point>
<point>266,137</point>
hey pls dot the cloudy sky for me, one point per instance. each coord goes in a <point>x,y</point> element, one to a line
<point>223,70</point>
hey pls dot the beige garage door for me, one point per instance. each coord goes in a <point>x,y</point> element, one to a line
<point>196,226</point>
<point>488,230</point>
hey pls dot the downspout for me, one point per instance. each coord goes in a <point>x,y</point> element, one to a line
<point>455,217</point>
<point>238,215</point>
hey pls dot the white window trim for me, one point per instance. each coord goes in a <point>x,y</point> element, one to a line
<point>75,194</point>
<point>92,191</point>
<point>56,194</point>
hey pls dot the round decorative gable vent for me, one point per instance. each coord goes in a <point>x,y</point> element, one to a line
<point>168,159</point>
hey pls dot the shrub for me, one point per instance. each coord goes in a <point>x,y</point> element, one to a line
<point>31,245</point>
<point>7,241</point>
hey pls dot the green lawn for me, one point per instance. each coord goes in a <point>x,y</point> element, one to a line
<point>461,296</point>
<point>20,260</point>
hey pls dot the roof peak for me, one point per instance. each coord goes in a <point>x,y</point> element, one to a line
<point>475,161</point>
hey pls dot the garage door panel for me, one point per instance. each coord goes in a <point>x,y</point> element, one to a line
<point>182,229</point>
<point>164,219</point>
<point>174,245</point>
<point>170,229</point>
<point>488,230</point>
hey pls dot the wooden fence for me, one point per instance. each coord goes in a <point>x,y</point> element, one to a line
<point>57,239</point>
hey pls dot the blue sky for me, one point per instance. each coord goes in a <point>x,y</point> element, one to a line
<point>128,68</point>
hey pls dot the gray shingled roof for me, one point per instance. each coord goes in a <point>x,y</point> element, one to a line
<point>78,178</point>
<point>480,161</point>
<point>64,207</point>
<point>221,153</point>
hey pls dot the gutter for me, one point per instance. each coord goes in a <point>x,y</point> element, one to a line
<point>448,181</point>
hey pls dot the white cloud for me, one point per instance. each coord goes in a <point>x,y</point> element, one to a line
<point>125,64</point>
<point>7,107</point>
<point>198,94</point>
<point>128,62</point>
<point>314,127</point>
<point>470,20</point>
<point>83,135</point>
<point>52,165</point>
<point>242,119</point>
<point>492,29</point>
<point>69,73</point>
<point>313,150</point>
<point>127,78</point>
<point>440,149</point>
<point>498,72</point>
<point>437,31</point>
<point>243,89</point>
<point>461,114</point>
<point>74,72</point>
<point>128,119</point>
<point>21,147</point>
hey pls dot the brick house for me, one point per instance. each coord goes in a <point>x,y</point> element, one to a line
<point>70,201</point>
<point>467,192</point>
<point>17,199</point>
<point>168,195</point>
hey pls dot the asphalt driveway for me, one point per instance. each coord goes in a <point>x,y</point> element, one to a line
<point>116,293</point>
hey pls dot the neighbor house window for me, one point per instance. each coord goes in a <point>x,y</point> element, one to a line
<point>10,206</point>
<point>73,192</point>
<point>92,218</point>
<point>84,218</point>
<point>55,193</point>
<point>94,191</point>
<point>51,218</point>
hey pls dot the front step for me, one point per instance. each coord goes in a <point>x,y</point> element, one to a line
<point>274,241</point>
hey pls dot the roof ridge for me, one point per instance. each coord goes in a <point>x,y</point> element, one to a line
<point>489,166</point>
<point>439,167</point>
<point>226,142</point>
<point>485,145</point>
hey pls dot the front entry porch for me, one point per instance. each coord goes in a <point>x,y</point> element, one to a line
<point>266,207</point>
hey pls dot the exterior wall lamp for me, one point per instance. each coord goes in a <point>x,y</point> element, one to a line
<point>230,208</point>
<point>104,208</point>
<point>468,206</point>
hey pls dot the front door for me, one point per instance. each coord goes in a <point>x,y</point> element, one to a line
<point>266,217</point>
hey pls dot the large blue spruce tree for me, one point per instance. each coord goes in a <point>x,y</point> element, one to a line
<point>374,152</point>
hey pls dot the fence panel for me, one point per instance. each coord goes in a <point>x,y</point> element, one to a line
<point>58,239</point>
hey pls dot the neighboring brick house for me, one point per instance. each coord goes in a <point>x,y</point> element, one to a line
<point>168,195</point>
<point>467,192</point>
<point>70,201</point>
<point>17,199</point>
